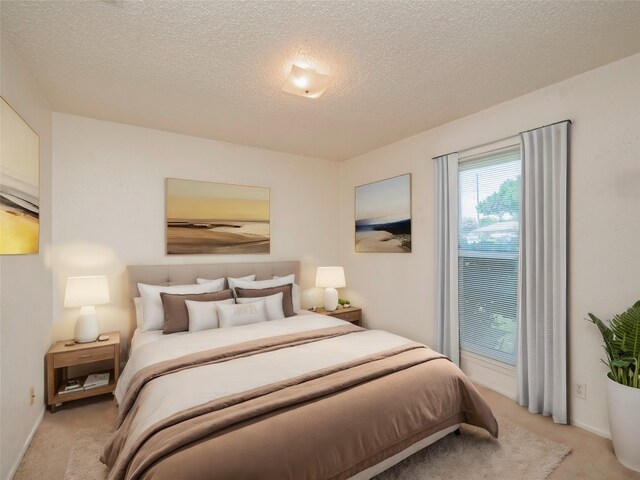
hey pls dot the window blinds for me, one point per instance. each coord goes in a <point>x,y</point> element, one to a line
<point>488,234</point>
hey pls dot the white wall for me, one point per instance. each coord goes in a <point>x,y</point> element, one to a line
<point>397,290</point>
<point>25,286</point>
<point>109,205</point>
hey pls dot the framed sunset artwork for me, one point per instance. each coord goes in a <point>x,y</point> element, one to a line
<point>216,218</point>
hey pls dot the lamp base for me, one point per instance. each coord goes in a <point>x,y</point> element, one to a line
<point>86,329</point>
<point>330,299</point>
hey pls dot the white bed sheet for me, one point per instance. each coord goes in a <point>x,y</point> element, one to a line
<point>140,338</point>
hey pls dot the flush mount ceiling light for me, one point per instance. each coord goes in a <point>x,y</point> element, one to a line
<point>306,82</point>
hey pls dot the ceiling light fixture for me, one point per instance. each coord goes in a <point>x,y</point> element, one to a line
<point>306,82</point>
<point>301,82</point>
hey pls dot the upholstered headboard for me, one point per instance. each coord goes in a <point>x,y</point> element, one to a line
<point>186,274</point>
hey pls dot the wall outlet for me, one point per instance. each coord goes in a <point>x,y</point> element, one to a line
<point>581,390</point>
<point>32,396</point>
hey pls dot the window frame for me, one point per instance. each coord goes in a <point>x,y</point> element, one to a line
<point>466,161</point>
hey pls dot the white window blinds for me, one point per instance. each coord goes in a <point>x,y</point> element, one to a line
<point>489,205</point>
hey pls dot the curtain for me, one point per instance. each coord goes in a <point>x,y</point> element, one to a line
<point>447,332</point>
<point>542,281</point>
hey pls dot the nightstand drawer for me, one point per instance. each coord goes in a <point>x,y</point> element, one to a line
<point>349,316</point>
<point>77,357</point>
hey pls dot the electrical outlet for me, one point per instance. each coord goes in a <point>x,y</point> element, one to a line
<point>32,396</point>
<point>581,390</point>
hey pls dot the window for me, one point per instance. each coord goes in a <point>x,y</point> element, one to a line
<point>489,205</point>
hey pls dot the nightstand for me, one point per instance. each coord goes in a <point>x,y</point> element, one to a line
<point>60,357</point>
<point>350,314</point>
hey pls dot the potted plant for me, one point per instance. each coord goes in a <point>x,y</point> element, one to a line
<point>622,346</point>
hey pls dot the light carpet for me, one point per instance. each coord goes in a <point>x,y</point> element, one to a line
<point>517,454</point>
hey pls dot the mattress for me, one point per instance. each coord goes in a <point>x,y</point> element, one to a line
<point>304,397</point>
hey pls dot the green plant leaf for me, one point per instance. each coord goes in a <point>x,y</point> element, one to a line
<point>626,331</point>
<point>607,336</point>
<point>622,362</point>
<point>622,345</point>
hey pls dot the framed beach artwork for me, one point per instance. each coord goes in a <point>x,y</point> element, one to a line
<point>19,184</point>
<point>383,216</point>
<point>216,218</point>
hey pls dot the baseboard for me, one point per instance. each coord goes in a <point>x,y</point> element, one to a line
<point>495,388</point>
<point>14,469</point>
<point>589,428</point>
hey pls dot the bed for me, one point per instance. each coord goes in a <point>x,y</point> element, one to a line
<point>304,397</point>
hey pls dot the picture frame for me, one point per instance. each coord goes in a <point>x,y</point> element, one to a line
<point>383,216</point>
<point>216,218</point>
<point>19,184</point>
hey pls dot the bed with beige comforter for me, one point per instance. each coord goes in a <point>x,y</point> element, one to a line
<point>306,397</point>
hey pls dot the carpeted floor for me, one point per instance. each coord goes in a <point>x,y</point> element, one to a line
<point>475,455</point>
<point>591,458</point>
<point>84,463</point>
<point>518,453</point>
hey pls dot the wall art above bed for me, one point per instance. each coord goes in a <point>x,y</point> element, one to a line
<point>19,184</point>
<point>216,218</point>
<point>383,216</point>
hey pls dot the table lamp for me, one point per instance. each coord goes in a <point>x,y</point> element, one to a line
<point>330,278</point>
<point>86,293</point>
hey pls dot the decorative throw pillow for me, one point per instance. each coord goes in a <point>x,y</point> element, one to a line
<point>273,302</point>
<point>295,293</point>
<point>176,315</point>
<point>287,302</point>
<point>204,315</point>
<point>153,315</point>
<point>236,315</point>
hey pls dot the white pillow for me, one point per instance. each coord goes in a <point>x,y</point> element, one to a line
<point>295,293</point>
<point>273,303</point>
<point>238,282</point>
<point>204,315</point>
<point>236,315</point>
<point>153,313</point>
<point>248,278</point>
<point>137,302</point>
<point>276,282</point>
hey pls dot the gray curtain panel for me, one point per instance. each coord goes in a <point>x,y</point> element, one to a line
<point>542,285</point>
<point>447,331</point>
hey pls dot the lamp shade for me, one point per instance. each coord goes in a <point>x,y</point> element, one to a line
<point>330,277</point>
<point>85,291</point>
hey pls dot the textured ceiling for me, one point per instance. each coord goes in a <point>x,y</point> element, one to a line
<point>214,69</point>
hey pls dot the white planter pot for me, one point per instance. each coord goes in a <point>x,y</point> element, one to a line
<point>623,404</point>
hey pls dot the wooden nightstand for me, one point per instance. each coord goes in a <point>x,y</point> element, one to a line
<point>350,314</point>
<point>59,357</point>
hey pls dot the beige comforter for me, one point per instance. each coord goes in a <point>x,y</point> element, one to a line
<point>327,423</point>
